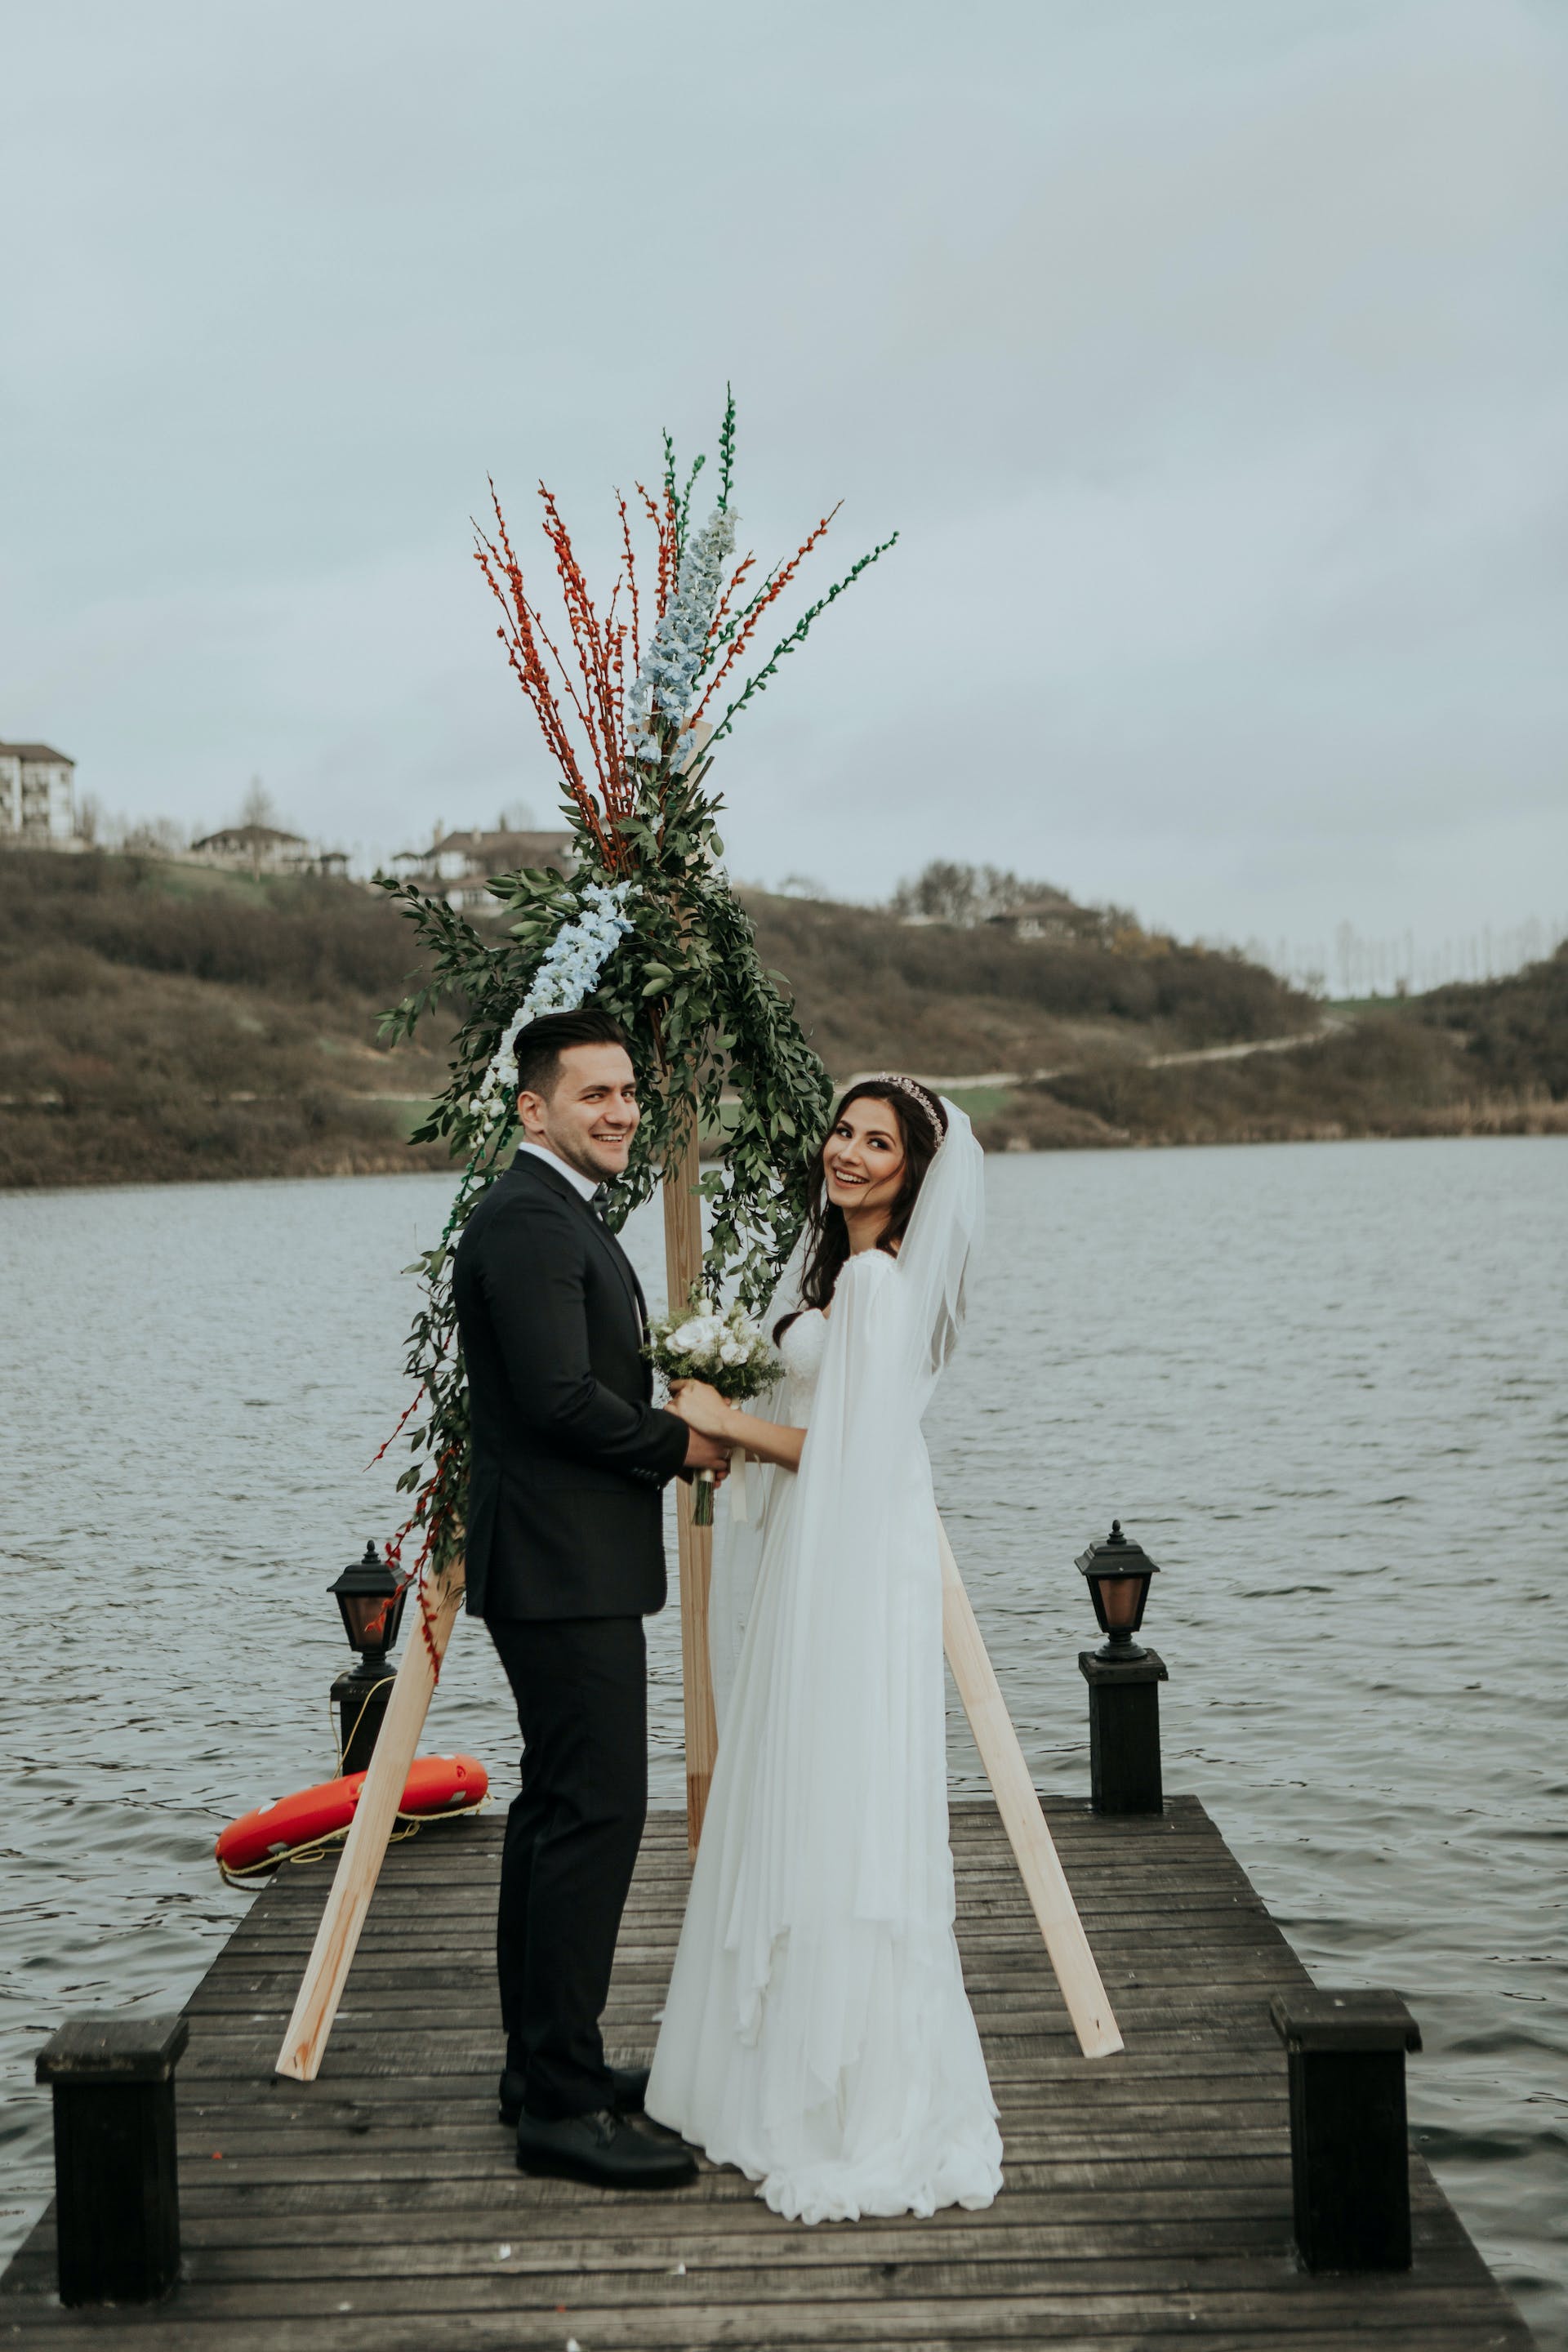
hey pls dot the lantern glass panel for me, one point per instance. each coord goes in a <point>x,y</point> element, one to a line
<point>359,1608</point>
<point>1119,1598</point>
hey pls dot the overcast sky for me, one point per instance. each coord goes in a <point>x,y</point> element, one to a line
<point>1209,355</point>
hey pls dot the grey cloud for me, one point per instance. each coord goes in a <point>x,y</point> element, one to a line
<point>1210,358</point>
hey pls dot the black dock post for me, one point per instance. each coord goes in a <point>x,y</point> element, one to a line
<point>361,1706</point>
<point>371,1599</point>
<point>1350,2155</point>
<point>1124,1772</point>
<point>1123,1680</point>
<point>115,2190</point>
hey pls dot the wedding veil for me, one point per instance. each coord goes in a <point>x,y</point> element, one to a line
<point>946,1230</point>
<point>835,1846</point>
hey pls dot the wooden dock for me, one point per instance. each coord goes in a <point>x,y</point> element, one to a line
<point>1147,2197</point>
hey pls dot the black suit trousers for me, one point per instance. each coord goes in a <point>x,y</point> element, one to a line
<point>571,1839</point>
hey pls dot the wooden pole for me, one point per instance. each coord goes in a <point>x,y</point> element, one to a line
<point>359,1866</point>
<point>1034,1849</point>
<point>683,1265</point>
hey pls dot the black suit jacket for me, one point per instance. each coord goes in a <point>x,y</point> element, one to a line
<point>568,1453</point>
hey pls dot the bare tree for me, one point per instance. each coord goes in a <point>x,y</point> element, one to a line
<point>942,892</point>
<point>158,837</point>
<point>259,807</point>
<point>947,892</point>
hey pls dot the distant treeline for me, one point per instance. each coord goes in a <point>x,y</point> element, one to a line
<point>167,1022</point>
<point>162,1022</point>
<point>1381,1075</point>
<point>945,998</point>
<point>305,938</point>
<point>1514,1031</point>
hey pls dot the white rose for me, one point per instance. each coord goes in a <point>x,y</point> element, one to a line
<point>687,1337</point>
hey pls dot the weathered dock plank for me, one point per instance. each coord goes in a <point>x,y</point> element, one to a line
<point>1147,2197</point>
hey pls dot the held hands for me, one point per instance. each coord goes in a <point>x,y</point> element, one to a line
<point>703,1410</point>
<point>704,1453</point>
<point>722,1428</point>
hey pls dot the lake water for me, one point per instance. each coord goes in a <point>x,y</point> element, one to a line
<point>1327,1386</point>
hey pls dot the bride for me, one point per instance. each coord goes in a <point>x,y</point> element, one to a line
<point>817,2034</point>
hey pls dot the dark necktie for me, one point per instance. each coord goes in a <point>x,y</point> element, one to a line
<point>595,1201</point>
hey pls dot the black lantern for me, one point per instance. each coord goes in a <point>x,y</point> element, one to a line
<point>1118,1573</point>
<point>372,1600</point>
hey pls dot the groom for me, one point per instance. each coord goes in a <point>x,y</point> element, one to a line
<point>565,1558</point>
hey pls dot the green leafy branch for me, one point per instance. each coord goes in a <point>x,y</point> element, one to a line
<point>757,683</point>
<point>713,1039</point>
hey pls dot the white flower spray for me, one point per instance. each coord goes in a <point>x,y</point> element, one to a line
<point>565,979</point>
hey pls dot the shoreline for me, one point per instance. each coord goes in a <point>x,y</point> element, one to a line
<point>1509,1124</point>
<point>162,1037</point>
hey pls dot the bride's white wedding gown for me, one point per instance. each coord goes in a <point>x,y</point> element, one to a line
<point>817,2032</point>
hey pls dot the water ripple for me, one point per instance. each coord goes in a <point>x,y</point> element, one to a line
<point>1323,1385</point>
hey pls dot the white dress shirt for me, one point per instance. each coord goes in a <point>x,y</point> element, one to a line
<point>586,1185</point>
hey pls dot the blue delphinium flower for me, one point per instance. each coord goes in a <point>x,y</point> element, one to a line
<point>662,691</point>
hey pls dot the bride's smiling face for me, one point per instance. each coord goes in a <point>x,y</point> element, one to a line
<point>863,1158</point>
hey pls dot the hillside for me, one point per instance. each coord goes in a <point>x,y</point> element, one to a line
<point>870,989</point>
<point>1514,1032</point>
<point>170,1021</point>
<point>1160,1044</point>
<point>165,1022</point>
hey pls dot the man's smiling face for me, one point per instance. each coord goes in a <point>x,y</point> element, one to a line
<point>590,1115</point>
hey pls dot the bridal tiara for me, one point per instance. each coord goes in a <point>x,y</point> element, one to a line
<point>927,1101</point>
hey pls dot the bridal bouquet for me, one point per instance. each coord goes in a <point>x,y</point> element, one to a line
<point>726,1351</point>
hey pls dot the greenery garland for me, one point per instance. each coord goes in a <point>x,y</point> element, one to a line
<point>713,1038</point>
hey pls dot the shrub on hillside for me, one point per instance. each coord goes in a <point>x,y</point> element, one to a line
<point>161,1025</point>
<point>1516,1030</point>
<point>311,938</point>
<point>839,960</point>
<point>1376,1076</point>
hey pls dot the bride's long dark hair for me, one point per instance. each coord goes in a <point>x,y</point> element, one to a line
<point>922,1123</point>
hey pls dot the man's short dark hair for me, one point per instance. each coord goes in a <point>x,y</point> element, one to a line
<point>541,1045</point>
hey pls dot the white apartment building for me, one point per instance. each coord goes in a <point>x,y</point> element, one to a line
<point>38,804</point>
<point>266,849</point>
<point>459,863</point>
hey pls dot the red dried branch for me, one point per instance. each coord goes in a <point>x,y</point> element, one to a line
<point>728,597</point>
<point>623,796</point>
<point>768,594</point>
<point>582,621</point>
<point>593,645</point>
<point>567,687</point>
<point>521,634</point>
<point>521,637</point>
<point>403,1418</point>
<point>631,580</point>
<point>663,522</point>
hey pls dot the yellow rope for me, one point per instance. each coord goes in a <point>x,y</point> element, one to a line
<point>341,1748</point>
<point>316,1850</point>
<point>317,1847</point>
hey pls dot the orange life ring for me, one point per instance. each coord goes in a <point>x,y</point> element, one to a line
<point>436,1784</point>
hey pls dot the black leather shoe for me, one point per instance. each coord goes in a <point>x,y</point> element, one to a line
<point>628,2087</point>
<point>603,2148</point>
